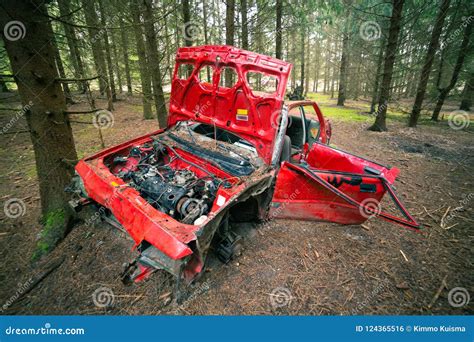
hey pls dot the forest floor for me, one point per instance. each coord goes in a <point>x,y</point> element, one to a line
<point>318,268</point>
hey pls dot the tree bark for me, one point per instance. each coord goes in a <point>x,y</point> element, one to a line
<point>64,11</point>
<point>229,35</point>
<point>204,23</point>
<point>463,51</point>
<point>145,78</point>
<point>430,54</point>
<point>126,63</point>
<point>334,68</point>
<point>293,57</point>
<point>306,80</point>
<point>90,15</point>
<point>468,93</point>
<point>302,42</point>
<point>188,41</point>
<point>118,72</point>
<point>229,22</point>
<point>32,61</point>
<point>60,66</point>
<point>341,96</point>
<point>316,67</point>
<point>245,26</point>
<point>390,53</point>
<point>375,90</point>
<point>107,50</point>
<point>278,32</point>
<point>154,63</point>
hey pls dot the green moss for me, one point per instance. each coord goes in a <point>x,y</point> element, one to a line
<point>345,114</point>
<point>54,229</point>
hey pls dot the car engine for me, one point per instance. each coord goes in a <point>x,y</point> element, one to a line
<point>175,191</point>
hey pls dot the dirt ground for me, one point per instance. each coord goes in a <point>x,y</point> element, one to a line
<point>287,267</point>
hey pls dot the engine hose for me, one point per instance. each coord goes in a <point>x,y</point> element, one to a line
<point>187,161</point>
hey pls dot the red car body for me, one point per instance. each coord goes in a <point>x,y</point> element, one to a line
<point>212,87</point>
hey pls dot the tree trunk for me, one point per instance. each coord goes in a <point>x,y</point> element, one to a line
<point>206,34</point>
<point>229,35</point>
<point>333,68</point>
<point>229,22</point>
<point>245,28</point>
<point>118,72</point>
<point>188,40</point>
<point>463,51</point>
<point>326,66</point>
<point>390,53</point>
<point>107,50</point>
<point>375,91</point>
<point>142,61</point>
<point>316,67</point>
<point>168,52</point>
<point>32,61</point>
<point>302,42</point>
<point>60,66</point>
<point>126,63</point>
<point>430,54</point>
<point>293,57</point>
<point>468,93</point>
<point>90,15</point>
<point>278,33</point>
<point>204,24</point>
<point>64,11</point>
<point>341,96</point>
<point>154,63</point>
<point>306,80</point>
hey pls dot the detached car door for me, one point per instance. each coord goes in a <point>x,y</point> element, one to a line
<point>335,186</point>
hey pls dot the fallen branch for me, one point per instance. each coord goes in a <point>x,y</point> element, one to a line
<point>90,111</point>
<point>35,280</point>
<point>74,80</point>
<point>444,216</point>
<point>16,132</point>
<point>404,255</point>
<point>440,289</point>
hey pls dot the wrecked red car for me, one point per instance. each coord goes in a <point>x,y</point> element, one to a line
<point>233,150</point>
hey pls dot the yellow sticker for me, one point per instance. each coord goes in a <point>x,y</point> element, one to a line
<point>314,132</point>
<point>114,184</point>
<point>242,114</point>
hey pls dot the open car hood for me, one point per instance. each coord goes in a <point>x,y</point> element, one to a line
<point>239,106</point>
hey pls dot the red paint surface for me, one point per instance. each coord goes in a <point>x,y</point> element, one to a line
<point>216,105</point>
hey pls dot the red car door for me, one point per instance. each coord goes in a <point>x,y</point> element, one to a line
<point>335,186</point>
